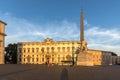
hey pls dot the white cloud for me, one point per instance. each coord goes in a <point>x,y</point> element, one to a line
<point>103,39</point>
<point>113,33</point>
<point>20,30</point>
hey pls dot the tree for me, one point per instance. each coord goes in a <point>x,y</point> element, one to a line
<point>11,53</point>
<point>114,54</point>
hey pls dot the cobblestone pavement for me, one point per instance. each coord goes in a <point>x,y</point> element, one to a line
<point>43,72</point>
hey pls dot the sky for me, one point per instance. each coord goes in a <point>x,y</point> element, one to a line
<point>35,20</point>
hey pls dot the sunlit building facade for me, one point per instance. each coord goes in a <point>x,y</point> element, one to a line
<point>57,52</point>
<point>48,50</point>
<point>2,41</point>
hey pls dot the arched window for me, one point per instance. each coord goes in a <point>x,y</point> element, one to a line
<point>68,57</point>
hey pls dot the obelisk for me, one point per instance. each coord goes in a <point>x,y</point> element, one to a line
<point>84,58</point>
<point>82,26</point>
<point>82,40</point>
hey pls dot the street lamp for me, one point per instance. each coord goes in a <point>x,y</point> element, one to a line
<point>73,53</point>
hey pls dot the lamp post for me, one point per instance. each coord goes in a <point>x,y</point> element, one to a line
<point>73,53</point>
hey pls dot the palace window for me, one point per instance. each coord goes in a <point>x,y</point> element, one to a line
<point>24,59</point>
<point>0,44</point>
<point>33,56</point>
<point>32,59</point>
<point>19,59</point>
<point>33,50</point>
<point>52,49</point>
<point>58,49</point>
<point>37,55</point>
<point>42,59</point>
<point>47,49</point>
<point>28,49</point>
<point>20,56</point>
<point>37,49</point>
<point>63,49</point>
<point>73,48</point>
<point>20,50</point>
<point>24,50</point>
<point>37,59</point>
<point>58,59</point>
<point>68,49</point>
<point>52,59</point>
<point>42,50</point>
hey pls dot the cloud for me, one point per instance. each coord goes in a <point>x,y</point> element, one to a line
<point>22,30</point>
<point>103,39</point>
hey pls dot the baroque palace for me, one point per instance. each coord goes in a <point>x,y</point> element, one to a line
<point>2,41</point>
<point>63,52</point>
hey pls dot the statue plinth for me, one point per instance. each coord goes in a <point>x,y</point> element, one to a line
<point>85,59</point>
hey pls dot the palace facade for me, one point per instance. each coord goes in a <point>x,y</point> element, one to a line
<point>40,52</point>
<point>2,41</point>
<point>57,52</point>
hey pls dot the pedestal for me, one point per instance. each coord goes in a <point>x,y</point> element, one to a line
<point>85,59</point>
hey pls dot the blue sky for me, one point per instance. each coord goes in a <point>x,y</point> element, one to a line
<point>35,20</point>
